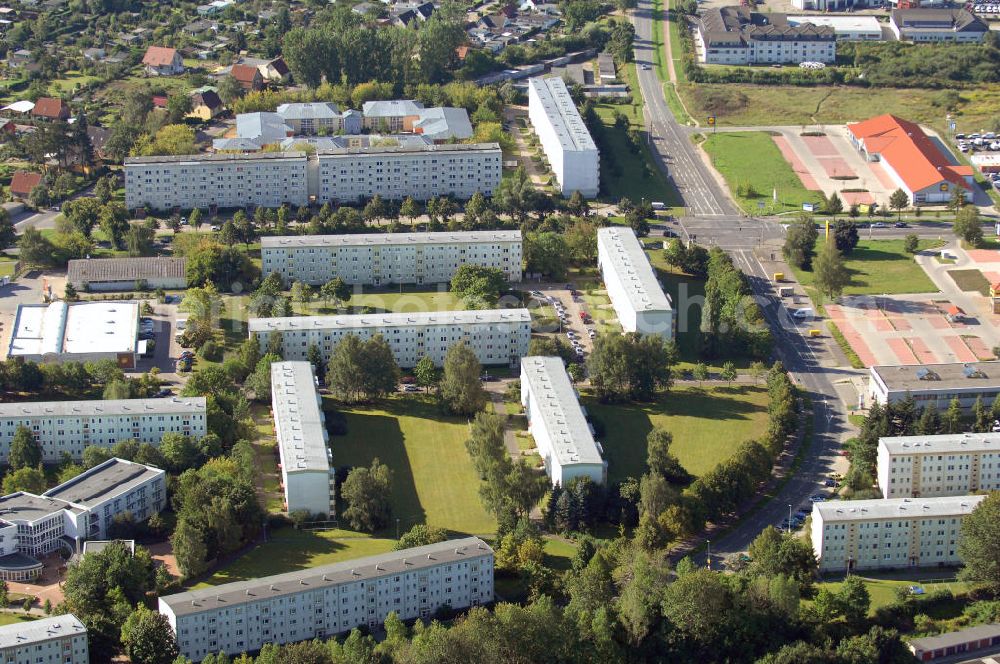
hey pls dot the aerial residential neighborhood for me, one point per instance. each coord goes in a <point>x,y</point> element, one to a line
<point>413,332</point>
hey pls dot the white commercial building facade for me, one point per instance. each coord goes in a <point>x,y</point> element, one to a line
<point>307,472</point>
<point>570,149</point>
<point>496,336</point>
<point>889,533</point>
<point>945,465</point>
<point>635,292</point>
<point>323,601</point>
<point>70,426</point>
<point>374,259</point>
<point>935,384</point>
<point>557,423</point>
<point>77,332</point>
<point>59,639</point>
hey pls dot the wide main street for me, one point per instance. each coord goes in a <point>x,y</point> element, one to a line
<point>712,214</point>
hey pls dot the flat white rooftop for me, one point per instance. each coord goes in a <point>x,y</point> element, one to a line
<point>39,631</point>
<point>562,114</point>
<point>897,508</point>
<point>80,328</point>
<point>363,321</point>
<point>944,444</point>
<point>390,239</point>
<point>937,377</point>
<point>175,405</point>
<point>627,257</point>
<point>298,421</point>
<point>855,23</point>
<point>101,483</point>
<point>560,410</point>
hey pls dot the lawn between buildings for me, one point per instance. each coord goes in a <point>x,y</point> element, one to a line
<point>751,159</point>
<point>883,586</point>
<point>880,267</point>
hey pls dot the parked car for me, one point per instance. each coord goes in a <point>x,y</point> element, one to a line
<point>411,388</point>
<point>901,224</point>
<point>817,498</point>
<point>878,224</point>
<point>165,392</point>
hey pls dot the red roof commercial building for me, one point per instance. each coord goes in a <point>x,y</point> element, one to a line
<point>912,159</point>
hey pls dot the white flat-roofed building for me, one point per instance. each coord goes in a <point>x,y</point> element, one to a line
<point>889,533</point>
<point>418,171</point>
<point>70,426</point>
<point>557,423</point>
<point>571,151</point>
<point>635,293</point>
<point>307,472</point>
<point>61,639</point>
<point>320,602</point>
<point>390,258</point>
<point>853,27</point>
<point>945,465</point>
<point>935,384</point>
<point>496,336</point>
<point>77,332</point>
<point>267,179</point>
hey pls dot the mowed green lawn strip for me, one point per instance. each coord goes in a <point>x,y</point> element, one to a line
<point>708,424</point>
<point>883,589</point>
<point>14,618</point>
<point>970,280</point>
<point>882,267</point>
<point>752,158</point>
<point>409,301</point>
<point>289,549</point>
<point>433,479</point>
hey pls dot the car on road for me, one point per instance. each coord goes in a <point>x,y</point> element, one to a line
<point>879,224</point>
<point>645,67</point>
<point>817,498</point>
<point>830,483</point>
<point>901,224</point>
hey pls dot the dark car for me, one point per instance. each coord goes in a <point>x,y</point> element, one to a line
<point>165,392</point>
<point>901,224</point>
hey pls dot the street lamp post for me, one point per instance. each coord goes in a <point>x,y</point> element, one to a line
<point>709,558</point>
<point>789,529</point>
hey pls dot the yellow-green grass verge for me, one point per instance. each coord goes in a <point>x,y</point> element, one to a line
<point>880,267</point>
<point>841,340</point>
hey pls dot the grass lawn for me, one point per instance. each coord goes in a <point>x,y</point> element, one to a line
<point>635,176</point>
<point>970,280</point>
<point>408,301</point>
<point>881,266</point>
<point>71,81</point>
<point>289,549</point>
<point>707,424</point>
<point>433,478</point>
<point>882,587</point>
<point>13,618</point>
<point>752,159</point>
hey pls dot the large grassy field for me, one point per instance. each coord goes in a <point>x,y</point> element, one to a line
<point>746,105</point>
<point>882,587</point>
<point>752,159</point>
<point>882,267</point>
<point>433,478</point>
<point>707,424</point>
<point>289,549</point>
<point>408,301</point>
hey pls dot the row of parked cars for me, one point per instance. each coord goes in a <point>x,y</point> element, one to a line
<point>799,517</point>
<point>977,142</point>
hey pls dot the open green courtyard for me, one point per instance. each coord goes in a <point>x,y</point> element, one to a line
<point>707,424</point>
<point>433,478</point>
<point>882,587</point>
<point>882,267</point>
<point>754,169</point>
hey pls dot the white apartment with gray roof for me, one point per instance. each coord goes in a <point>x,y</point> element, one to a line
<point>70,426</point>
<point>58,639</point>
<point>570,149</point>
<point>945,465</point>
<point>635,292</point>
<point>557,423</point>
<point>496,336</point>
<point>307,471</point>
<point>374,259</point>
<point>320,602</point>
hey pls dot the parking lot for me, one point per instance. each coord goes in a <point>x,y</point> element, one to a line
<point>575,323</point>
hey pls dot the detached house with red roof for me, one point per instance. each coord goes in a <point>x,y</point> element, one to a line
<point>249,77</point>
<point>912,159</point>
<point>23,183</point>
<point>163,61</point>
<point>49,108</point>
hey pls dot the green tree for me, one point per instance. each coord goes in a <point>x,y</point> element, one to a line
<point>171,139</point>
<point>547,253</point>
<point>426,373</point>
<point>911,243</point>
<point>189,549</point>
<point>335,291</point>
<point>31,480</point>
<point>979,547</point>
<point>25,451</point>
<point>147,637</point>
<point>35,248</point>
<point>178,106</point>
<point>700,372</point>
<point>800,242</point>
<point>366,492</point>
<point>833,205</point>
<point>969,226</point>
<point>830,273</point>
<point>631,366</point>
<point>421,535</point>
<point>845,234</point>
<point>461,390</point>
<point>952,421</point>
<point>898,200</point>
<point>409,209</point>
<point>479,286</point>
<point>774,553</point>
<point>659,459</point>
<point>728,372</point>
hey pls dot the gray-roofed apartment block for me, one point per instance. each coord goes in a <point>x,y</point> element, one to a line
<point>935,384</point>
<point>243,616</point>
<point>945,465</point>
<point>307,471</point>
<point>571,151</point>
<point>60,639</point>
<point>635,292</point>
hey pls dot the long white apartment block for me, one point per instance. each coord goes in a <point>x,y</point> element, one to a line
<point>80,509</point>
<point>496,336</point>
<point>889,533</point>
<point>70,426</point>
<point>348,175</point>
<point>571,151</point>
<point>935,384</point>
<point>319,602</point>
<point>267,179</point>
<point>635,292</point>
<point>61,639</point>
<point>307,471</point>
<point>557,422</point>
<point>374,259</point>
<point>947,465</point>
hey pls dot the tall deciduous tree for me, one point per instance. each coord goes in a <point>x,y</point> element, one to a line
<point>979,547</point>
<point>969,226</point>
<point>830,273</point>
<point>366,493</point>
<point>25,451</point>
<point>898,200</point>
<point>147,637</point>
<point>800,242</point>
<point>460,389</point>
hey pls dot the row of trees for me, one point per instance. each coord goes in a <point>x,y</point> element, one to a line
<point>731,321</point>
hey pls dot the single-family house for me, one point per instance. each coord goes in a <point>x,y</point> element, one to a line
<point>276,70</point>
<point>248,77</point>
<point>205,104</point>
<point>23,182</point>
<point>50,108</point>
<point>163,61</point>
